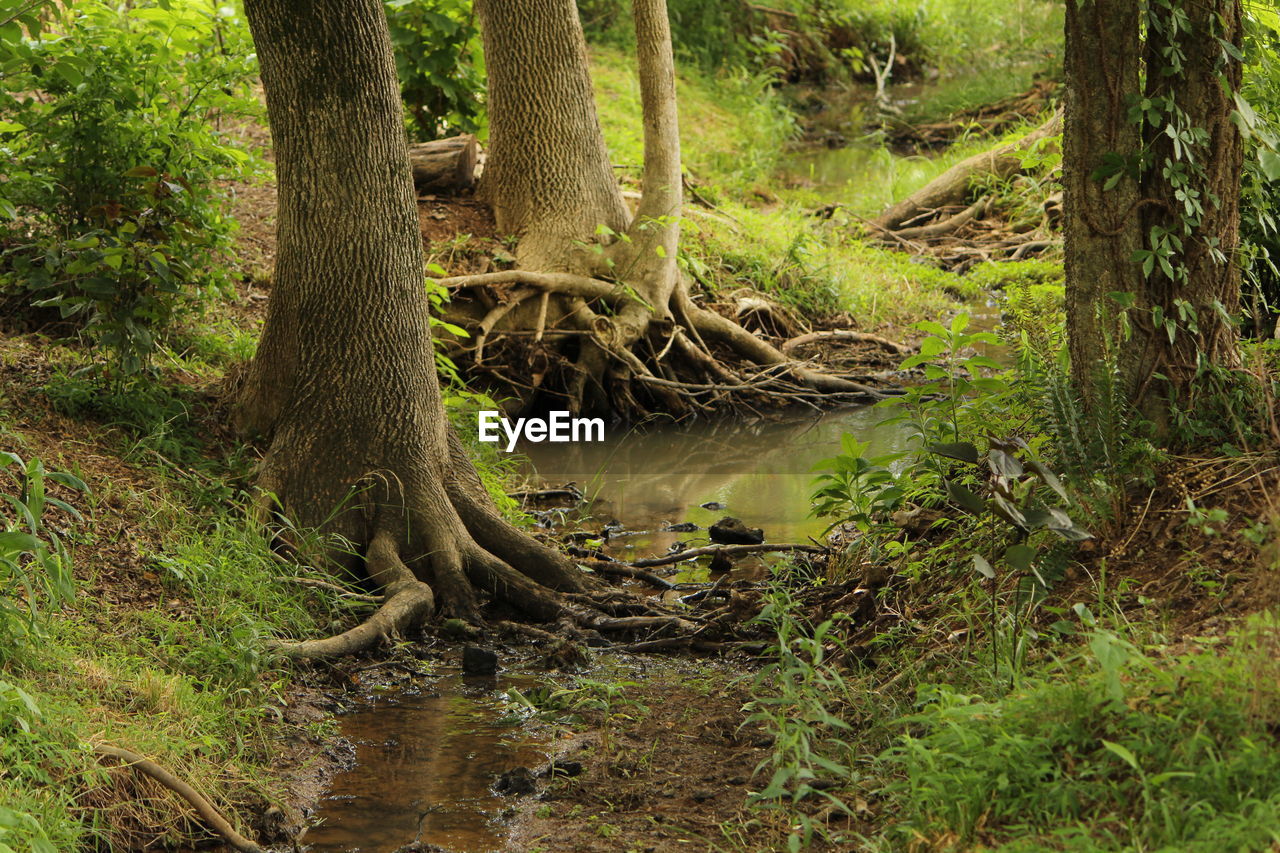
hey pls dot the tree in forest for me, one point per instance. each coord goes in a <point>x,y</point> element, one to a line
<point>1152,155</point>
<point>343,388</point>
<point>599,284</point>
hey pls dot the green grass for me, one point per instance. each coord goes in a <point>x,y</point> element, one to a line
<point>735,137</point>
<point>163,648</point>
<point>1111,749</point>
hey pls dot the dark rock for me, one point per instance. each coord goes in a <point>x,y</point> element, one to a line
<point>682,527</point>
<point>478,661</point>
<point>561,767</point>
<point>516,782</point>
<point>720,563</point>
<point>731,531</point>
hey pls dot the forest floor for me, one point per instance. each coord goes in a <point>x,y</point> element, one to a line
<point>162,651</point>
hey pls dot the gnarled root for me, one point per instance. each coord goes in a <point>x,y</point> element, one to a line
<point>642,357</point>
<point>407,602</point>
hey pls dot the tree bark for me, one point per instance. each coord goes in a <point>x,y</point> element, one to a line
<point>549,181</point>
<point>548,176</point>
<point>1181,195</point>
<point>343,388</point>
<point>1203,297</point>
<point>1102,227</point>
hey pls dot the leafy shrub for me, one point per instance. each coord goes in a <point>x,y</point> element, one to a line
<point>440,64</point>
<point>110,117</point>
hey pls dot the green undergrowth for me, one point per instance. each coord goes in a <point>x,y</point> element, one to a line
<point>736,133</point>
<point>1117,738</point>
<point>161,644</point>
<point>1024,685</point>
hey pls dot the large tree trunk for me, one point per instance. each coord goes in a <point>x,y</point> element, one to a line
<point>343,388</point>
<point>1101,226</point>
<point>1183,206</point>
<point>548,175</point>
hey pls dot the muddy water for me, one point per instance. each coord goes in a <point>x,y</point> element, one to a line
<point>662,474</point>
<point>426,759</point>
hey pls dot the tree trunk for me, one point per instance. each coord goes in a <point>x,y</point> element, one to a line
<point>343,388</point>
<point>1188,318</point>
<point>548,176</point>
<point>444,165</point>
<point>1102,227</point>
<point>1174,206</point>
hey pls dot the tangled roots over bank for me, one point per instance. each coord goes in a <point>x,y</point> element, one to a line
<point>574,341</point>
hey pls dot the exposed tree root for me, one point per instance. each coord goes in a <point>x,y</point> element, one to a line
<point>406,603</point>
<point>665,349</point>
<point>211,816</point>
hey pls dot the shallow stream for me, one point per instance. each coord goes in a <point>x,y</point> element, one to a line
<point>427,755</point>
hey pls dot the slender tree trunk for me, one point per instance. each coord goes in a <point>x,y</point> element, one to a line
<point>1102,225</point>
<point>550,183</point>
<point>344,387</point>
<point>548,175</point>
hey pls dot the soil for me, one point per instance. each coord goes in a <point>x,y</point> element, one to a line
<point>666,782</point>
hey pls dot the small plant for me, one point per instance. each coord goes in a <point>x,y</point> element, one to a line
<point>34,563</point>
<point>794,699</point>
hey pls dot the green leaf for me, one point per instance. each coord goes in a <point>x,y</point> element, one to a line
<point>1124,753</point>
<point>965,498</point>
<point>982,567</point>
<point>1020,557</point>
<point>16,542</point>
<point>1270,163</point>
<point>1003,463</point>
<point>962,450</point>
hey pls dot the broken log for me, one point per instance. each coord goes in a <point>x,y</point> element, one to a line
<point>952,186</point>
<point>444,166</point>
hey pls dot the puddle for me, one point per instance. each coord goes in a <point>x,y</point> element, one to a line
<point>426,758</point>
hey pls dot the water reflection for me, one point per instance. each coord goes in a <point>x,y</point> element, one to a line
<point>759,472</point>
<point>425,760</point>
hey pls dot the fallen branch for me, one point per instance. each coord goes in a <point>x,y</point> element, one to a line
<point>211,816</point>
<point>604,567</point>
<point>725,550</point>
<point>546,494</point>
<point>952,186</point>
<point>846,335</point>
<point>947,225</point>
